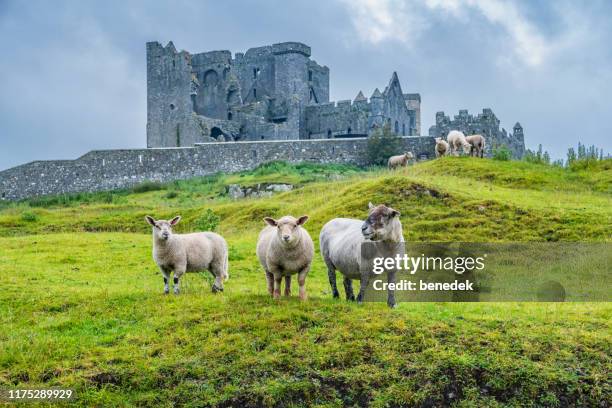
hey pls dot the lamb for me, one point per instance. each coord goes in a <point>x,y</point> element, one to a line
<point>182,253</point>
<point>284,248</point>
<point>442,147</point>
<point>341,240</point>
<point>456,139</point>
<point>477,145</point>
<point>399,161</point>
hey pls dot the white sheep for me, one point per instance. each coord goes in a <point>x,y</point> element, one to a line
<point>341,240</point>
<point>400,160</point>
<point>477,145</point>
<point>182,253</point>
<point>456,139</point>
<point>284,248</point>
<point>442,147</point>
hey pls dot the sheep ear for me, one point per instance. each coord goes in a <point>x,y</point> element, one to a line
<point>302,220</point>
<point>150,220</point>
<point>175,220</point>
<point>270,221</point>
<point>395,213</point>
<point>370,205</point>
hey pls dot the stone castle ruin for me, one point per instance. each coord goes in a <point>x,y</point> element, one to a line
<point>486,124</point>
<point>274,92</point>
<point>210,112</point>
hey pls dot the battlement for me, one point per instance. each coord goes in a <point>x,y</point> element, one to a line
<point>291,47</point>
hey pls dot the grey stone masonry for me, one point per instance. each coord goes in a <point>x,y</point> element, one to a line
<point>101,170</point>
<point>486,124</point>
<point>273,92</point>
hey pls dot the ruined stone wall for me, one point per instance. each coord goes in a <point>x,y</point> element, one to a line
<point>112,169</point>
<point>486,124</point>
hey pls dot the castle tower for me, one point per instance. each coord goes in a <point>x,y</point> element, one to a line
<point>518,132</point>
<point>291,81</point>
<point>169,96</point>
<point>376,110</point>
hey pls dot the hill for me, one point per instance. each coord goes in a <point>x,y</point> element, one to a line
<point>83,308</point>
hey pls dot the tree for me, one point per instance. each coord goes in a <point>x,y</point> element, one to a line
<point>382,144</point>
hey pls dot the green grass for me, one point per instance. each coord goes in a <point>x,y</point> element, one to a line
<point>81,304</point>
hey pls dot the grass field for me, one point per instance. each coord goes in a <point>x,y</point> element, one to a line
<point>82,307</point>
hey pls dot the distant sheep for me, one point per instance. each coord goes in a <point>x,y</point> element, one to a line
<point>182,253</point>
<point>456,139</point>
<point>341,240</point>
<point>399,161</point>
<point>285,248</point>
<point>477,145</point>
<point>442,147</point>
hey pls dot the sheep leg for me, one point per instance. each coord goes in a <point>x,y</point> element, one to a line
<point>391,293</point>
<point>302,282</point>
<point>177,275</point>
<point>270,280</point>
<point>278,279</point>
<point>331,273</point>
<point>348,289</point>
<point>166,277</point>
<point>365,279</point>
<point>288,285</point>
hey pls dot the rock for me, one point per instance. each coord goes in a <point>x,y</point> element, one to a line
<point>278,188</point>
<point>235,191</point>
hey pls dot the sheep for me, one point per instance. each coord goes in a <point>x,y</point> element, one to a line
<point>399,161</point>
<point>477,145</point>
<point>284,247</point>
<point>442,147</point>
<point>456,139</point>
<point>341,240</point>
<point>182,253</point>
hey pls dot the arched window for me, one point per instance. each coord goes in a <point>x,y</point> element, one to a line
<point>403,129</point>
<point>396,127</point>
<point>229,115</point>
<point>329,134</point>
<point>254,93</point>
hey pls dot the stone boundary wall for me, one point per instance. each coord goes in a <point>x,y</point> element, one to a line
<point>101,170</point>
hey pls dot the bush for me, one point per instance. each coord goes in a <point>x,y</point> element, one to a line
<point>209,221</point>
<point>147,186</point>
<point>171,194</point>
<point>502,153</point>
<point>29,216</point>
<point>382,144</point>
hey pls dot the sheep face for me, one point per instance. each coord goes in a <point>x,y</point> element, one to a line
<point>287,228</point>
<point>467,148</point>
<point>162,229</point>
<point>377,227</point>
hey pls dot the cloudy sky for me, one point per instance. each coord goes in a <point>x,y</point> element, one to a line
<point>73,78</point>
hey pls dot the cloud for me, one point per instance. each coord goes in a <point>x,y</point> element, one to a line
<point>376,21</point>
<point>407,21</point>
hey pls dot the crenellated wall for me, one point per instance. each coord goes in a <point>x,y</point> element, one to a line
<point>101,170</point>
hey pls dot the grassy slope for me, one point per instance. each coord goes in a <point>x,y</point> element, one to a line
<point>82,303</point>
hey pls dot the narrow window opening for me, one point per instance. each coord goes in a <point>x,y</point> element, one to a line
<point>329,133</point>
<point>229,115</point>
<point>310,75</point>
